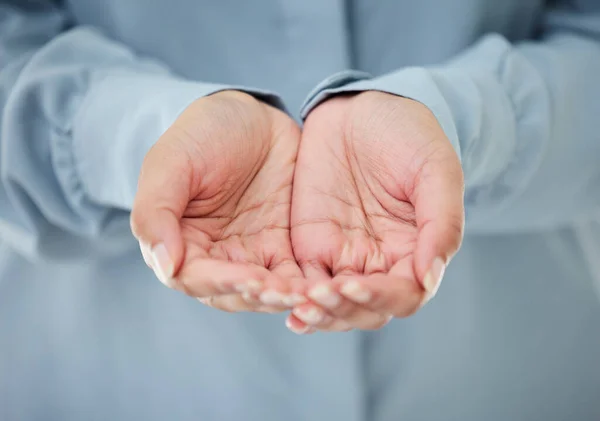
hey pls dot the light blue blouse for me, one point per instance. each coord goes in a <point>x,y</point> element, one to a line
<point>87,333</point>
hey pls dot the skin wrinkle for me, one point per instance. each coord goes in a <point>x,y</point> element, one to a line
<point>388,215</point>
<point>368,227</point>
<point>353,222</point>
<point>243,237</point>
<point>336,269</point>
<point>233,107</point>
<point>372,235</point>
<point>241,203</point>
<point>356,207</point>
<point>364,214</point>
<point>316,264</point>
<point>353,157</point>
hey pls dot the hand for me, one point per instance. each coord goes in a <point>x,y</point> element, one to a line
<point>213,204</point>
<point>377,211</point>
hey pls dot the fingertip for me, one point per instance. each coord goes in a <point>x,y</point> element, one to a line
<point>145,250</point>
<point>439,206</point>
<point>393,295</point>
<point>161,243</point>
<point>163,264</point>
<point>296,326</point>
<point>437,244</point>
<point>281,291</point>
<point>356,290</point>
<point>206,276</point>
<point>310,314</point>
<point>433,277</point>
<point>325,294</point>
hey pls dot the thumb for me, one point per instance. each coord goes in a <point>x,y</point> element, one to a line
<point>161,199</point>
<point>438,201</point>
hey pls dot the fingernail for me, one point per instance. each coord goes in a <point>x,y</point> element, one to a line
<point>205,300</point>
<point>310,316</point>
<point>354,291</point>
<point>272,298</point>
<point>433,278</point>
<point>324,295</point>
<point>162,264</point>
<point>297,331</point>
<point>294,299</point>
<point>247,297</point>
<point>251,286</point>
<point>254,285</point>
<point>145,249</point>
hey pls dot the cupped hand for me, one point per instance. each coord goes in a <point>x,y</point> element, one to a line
<point>213,204</point>
<point>377,211</point>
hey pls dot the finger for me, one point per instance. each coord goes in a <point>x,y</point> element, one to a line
<point>327,296</point>
<point>315,317</point>
<point>256,284</point>
<point>324,322</point>
<point>146,255</point>
<point>344,314</point>
<point>312,316</point>
<point>361,319</point>
<point>206,277</point>
<point>162,196</point>
<point>232,303</point>
<point>286,286</point>
<point>438,199</point>
<point>332,311</point>
<point>253,301</point>
<point>235,303</point>
<point>385,294</point>
<point>335,325</point>
<point>291,291</point>
<point>297,326</point>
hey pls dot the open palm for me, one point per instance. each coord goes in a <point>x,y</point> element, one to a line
<point>224,172</point>
<point>364,220</point>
